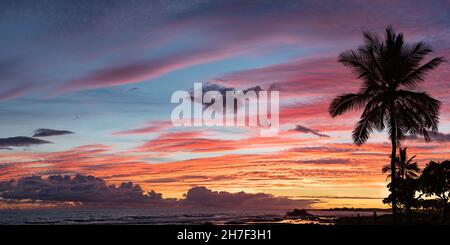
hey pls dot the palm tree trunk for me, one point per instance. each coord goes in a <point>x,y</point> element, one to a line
<point>393,179</point>
<point>393,155</point>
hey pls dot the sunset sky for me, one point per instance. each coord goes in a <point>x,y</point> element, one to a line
<point>101,73</point>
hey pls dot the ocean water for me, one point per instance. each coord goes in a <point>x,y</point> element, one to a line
<point>130,216</point>
<point>159,216</point>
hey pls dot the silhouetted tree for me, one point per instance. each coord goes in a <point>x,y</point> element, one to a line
<point>404,168</point>
<point>435,181</point>
<point>406,194</point>
<point>429,204</point>
<point>406,173</point>
<point>387,69</point>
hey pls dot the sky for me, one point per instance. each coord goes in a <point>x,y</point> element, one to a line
<point>96,77</point>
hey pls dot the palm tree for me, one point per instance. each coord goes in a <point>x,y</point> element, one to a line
<point>404,168</point>
<point>406,175</point>
<point>389,69</point>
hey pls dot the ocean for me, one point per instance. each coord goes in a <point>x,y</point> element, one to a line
<point>163,216</point>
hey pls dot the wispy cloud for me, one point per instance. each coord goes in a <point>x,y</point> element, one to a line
<point>160,37</point>
<point>21,141</point>
<point>152,127</point>
<point>45,132</point>
<point>303,129</point>
<point>439,137</point>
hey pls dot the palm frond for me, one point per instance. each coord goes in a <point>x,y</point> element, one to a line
<point>347,102</point>
<point>386,168</point>
<point>361,64</point>
<point>418,75</point>
<point>365,126</point>
<point>416,53</point>
<point>422,111</point>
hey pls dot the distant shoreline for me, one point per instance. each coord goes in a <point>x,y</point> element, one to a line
<point>351,209</point>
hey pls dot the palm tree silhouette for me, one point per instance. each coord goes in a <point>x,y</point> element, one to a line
<point>387,69</point>
<point>406,175</point>
<point>404,168</point>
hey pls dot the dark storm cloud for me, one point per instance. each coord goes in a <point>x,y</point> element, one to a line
<point>91,190</point>
<point>45,132</point>
<point>18,141</point>
<point>201,196</point>
<point>86,189</point>
<point>303,129</point>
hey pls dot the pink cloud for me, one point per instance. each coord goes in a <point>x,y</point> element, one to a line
<point>145,70</point>
<point>16,91</point>
<point>153,127</point>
